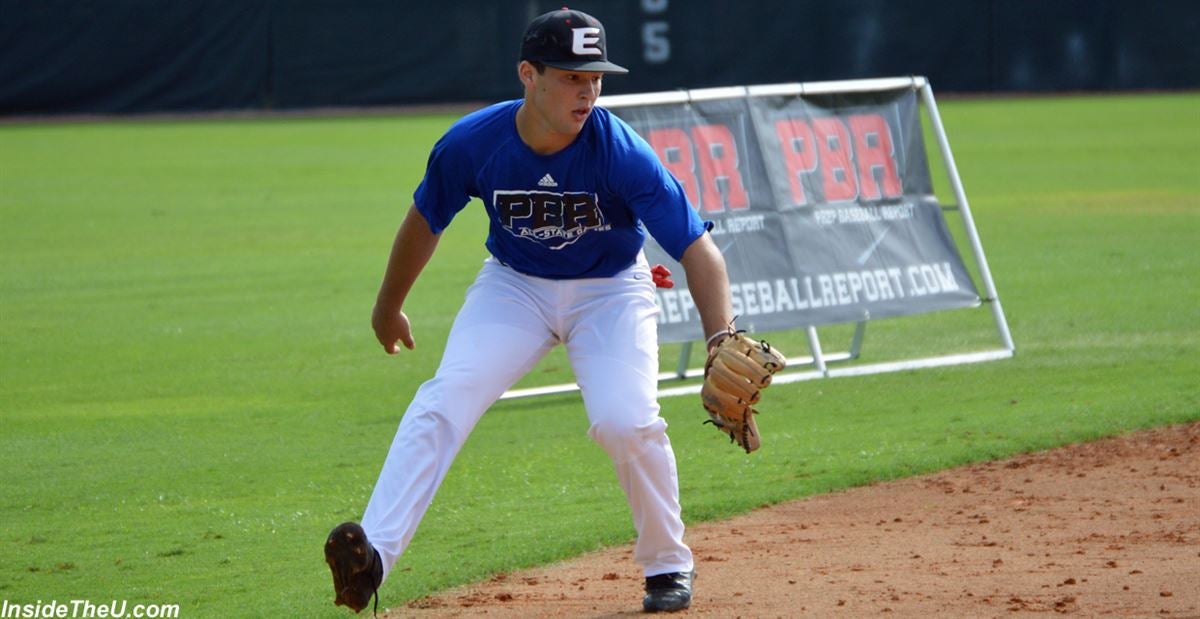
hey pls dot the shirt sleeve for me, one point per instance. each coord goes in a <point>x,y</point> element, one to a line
<point>445,190</point>
<point>658,199</point>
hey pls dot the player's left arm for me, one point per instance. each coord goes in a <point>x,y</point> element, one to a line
<point>738,368</point>
<point>708,282</point>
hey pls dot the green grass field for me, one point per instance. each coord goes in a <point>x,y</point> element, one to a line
<point>191,395</point>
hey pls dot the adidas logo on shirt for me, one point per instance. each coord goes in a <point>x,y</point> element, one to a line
<point>547,181</point>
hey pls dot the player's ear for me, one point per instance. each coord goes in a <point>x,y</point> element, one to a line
<point>525,72</point>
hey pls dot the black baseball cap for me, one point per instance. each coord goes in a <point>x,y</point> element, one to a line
<point>570,40</point>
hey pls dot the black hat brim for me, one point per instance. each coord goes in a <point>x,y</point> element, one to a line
<point>598,66</point>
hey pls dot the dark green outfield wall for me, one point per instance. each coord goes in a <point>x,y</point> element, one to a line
<point>129,56</point>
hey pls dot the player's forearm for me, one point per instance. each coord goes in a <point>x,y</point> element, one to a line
<point>709,284</point>
<point>411,251</point>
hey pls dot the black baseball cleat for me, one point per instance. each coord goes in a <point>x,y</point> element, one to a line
<point>668,593</point>
<point>356,566</point>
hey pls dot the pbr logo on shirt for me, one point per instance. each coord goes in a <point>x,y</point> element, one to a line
<point>552,219</point>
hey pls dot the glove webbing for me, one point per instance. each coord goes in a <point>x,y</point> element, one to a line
<point>745,430</point>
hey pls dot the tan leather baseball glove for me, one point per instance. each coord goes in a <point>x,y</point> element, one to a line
<point>738,369</point>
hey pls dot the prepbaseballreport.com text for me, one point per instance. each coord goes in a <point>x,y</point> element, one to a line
<point>86,608</point>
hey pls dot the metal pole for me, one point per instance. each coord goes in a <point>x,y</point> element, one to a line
<point>961,196</point>
<point>814,344</point>
<point>856,342</point>
<point>685,352</point>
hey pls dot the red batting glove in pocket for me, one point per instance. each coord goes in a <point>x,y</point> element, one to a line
<point>662,276</point>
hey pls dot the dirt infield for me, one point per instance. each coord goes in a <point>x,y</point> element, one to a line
<point>1110,528</point>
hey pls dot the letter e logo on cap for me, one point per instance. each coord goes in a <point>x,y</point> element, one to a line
<point>583,42</point>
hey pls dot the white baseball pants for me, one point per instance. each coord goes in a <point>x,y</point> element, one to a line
<point>508,322</point>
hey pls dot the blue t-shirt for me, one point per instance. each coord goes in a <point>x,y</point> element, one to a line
<point>576,213</point>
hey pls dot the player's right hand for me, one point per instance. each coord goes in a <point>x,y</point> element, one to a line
<point>391,326</point>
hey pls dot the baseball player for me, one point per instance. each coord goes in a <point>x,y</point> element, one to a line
<point>570,191</point>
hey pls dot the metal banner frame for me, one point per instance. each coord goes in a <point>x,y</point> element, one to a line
<point>817,361</point>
